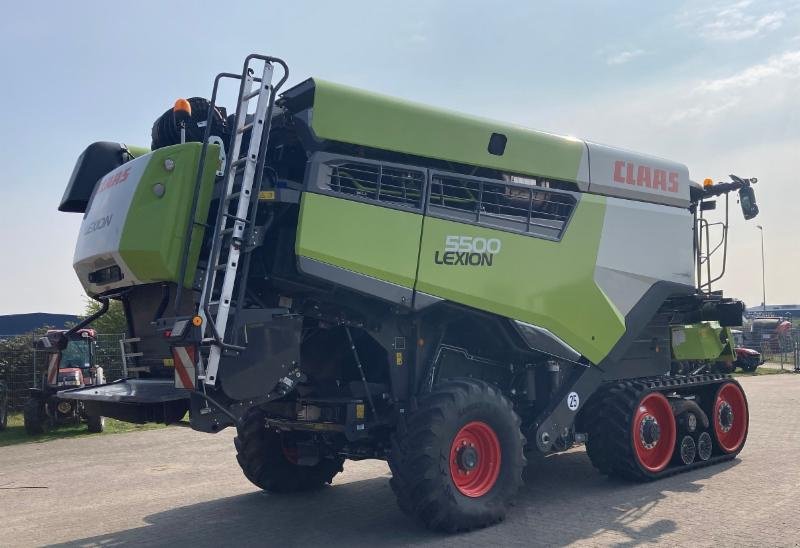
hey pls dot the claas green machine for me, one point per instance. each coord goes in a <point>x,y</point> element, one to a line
<point>342,275</point>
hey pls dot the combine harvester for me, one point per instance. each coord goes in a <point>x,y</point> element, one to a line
<point>342,275</point>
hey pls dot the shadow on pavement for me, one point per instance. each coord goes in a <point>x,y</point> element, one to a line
<point>564,500</point>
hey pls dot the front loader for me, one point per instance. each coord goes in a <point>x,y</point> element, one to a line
<point>342,275</point>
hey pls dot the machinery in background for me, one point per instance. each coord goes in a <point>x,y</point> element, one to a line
<point>72,366</point>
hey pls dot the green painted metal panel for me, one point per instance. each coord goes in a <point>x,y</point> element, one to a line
<point>545,283</point>
<point>702,341</point>
<point>376,241</point>
<point>155,228</point>
<point>355,116</point>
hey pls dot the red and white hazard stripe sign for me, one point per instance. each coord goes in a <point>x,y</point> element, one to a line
<point>184,359</point>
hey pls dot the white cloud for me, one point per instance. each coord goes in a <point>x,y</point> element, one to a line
<point>624,56</point>
<point>731,22</point>
<point>784,66</point>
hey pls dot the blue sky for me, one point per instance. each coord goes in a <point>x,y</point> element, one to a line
<point>715,85</point>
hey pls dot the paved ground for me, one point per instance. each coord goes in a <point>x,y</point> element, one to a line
<point>181,488</point>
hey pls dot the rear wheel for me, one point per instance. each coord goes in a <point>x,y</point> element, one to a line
<point>3,413</point>
<point>460,458</point>
<point>269,458</point>
<point>96,424</point>
<point>34,416</point>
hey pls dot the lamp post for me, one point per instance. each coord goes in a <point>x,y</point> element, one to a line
<point>763,276</point>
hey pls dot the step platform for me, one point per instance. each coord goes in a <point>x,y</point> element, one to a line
<point>133,400</point>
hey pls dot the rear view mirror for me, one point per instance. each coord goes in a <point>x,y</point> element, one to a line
<point>747,199</point>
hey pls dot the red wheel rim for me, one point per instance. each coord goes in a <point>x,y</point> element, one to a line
<point>475,459</point>
<point>730,417</point>
<point>653,432</point>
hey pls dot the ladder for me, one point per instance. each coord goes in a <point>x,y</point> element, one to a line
<point>126,354</point>
<point>231,229</point>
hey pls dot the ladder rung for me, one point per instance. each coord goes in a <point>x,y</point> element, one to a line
<point>134,355</point>
<point>235,218</point>
<point>216,303</point>
<point>252,94</point>
<point>245,128</point>
<point>240,161</point>
<point>135,339</point>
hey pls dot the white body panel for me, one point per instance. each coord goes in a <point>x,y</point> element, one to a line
<point>103,223</point>
<point>618,172</point>
<point>640,245</point>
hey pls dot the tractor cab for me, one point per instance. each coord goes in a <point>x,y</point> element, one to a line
<point>74,366</point>
<point>70,365</point>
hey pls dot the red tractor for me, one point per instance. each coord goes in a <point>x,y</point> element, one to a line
<point>72,366</point>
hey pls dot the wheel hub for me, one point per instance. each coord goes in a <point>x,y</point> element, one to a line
<point>725,416</point>
<point>691,422</point>
<point>475,459</point>
<point>649,431</point>
<point>467,457</point>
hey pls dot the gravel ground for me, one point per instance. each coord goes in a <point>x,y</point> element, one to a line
<point>181,488</point>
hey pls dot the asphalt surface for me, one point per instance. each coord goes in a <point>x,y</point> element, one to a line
<point>181,488</point>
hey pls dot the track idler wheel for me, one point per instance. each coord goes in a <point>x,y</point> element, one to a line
<point>634,433</point>
<point>730,417</point>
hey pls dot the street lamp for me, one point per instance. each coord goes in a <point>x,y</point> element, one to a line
<point>763,277</point>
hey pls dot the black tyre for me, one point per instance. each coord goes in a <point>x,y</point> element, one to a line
<point>633,434</point>
<point>96,424</point>
<point>267,459</point>
<point>35,417</point>
<point>3,415</point>
<point>459,458</point>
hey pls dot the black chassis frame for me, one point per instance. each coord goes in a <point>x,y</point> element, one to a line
<point>412,340</point>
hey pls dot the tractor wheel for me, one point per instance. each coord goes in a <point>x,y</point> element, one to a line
<point>459,458</point>
<point>34,416</point>
<point>96,424</point>
<point>269,461</point>
<point>730,417</point>
<point>634,435</point>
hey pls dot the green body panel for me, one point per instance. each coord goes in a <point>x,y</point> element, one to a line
<point>702,341</point>
<point>376,241</point>
<point>137,151</point>
<point>155,228</point>
<point>354,116</point>
<point>545,283</point>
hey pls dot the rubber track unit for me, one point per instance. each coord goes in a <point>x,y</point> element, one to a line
<point>261,456</point>
<point>608,423</point>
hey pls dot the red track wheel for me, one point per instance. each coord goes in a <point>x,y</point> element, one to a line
<point>475,459</point>
<point>730,417</point>
<point>653,432</point>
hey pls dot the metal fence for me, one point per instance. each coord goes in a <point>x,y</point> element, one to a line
<point>783,349</point>
<point>22,367</point>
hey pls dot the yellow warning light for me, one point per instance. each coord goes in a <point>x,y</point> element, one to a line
<point>182,105</point>
<point>360,411</point>
<point>197,321</point>
<point>707,182</point>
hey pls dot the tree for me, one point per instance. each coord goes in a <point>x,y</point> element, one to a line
<point>112,321</point>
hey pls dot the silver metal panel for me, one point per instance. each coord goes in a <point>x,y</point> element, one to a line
<point>543,340</point>
<point>356,281</point>
<point>424,300</point>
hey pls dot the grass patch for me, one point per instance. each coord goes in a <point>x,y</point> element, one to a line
<point>761,371</point>
<point>15,433</point>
